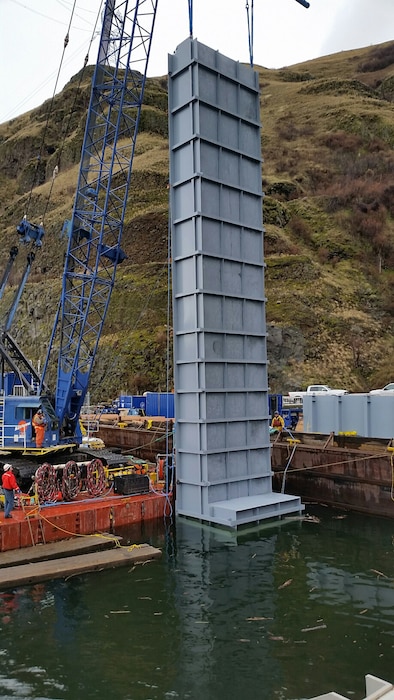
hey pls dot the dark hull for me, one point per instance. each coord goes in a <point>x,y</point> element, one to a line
<point>347,473</point>
<point>140,442</point>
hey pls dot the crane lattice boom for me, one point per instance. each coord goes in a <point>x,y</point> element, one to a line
<point>95,230</point>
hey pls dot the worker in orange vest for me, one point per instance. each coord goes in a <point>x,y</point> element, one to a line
<point>39,425</point>
<point>277,422</point>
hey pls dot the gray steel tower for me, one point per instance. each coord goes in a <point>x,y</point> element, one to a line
<point>220,354</point>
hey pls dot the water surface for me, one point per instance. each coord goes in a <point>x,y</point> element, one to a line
<point>285,612</point>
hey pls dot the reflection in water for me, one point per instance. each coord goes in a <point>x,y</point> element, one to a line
<point>70,611</point>
<point>287,612</point>
<point>225,600</point>
<point>8,606</point>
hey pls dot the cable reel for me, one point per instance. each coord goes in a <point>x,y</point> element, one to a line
<point>45,481</point>
<point>96,480</point>
<point>71,481</point>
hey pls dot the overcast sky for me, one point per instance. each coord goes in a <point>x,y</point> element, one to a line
<point>32,34</point>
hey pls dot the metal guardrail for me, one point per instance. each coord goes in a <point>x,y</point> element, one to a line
<point>287,401</point>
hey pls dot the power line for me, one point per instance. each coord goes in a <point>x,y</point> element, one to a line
<point>26,7</point>
<point>53,19</point>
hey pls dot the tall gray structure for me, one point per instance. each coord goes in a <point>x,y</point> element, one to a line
<point>220,356</point>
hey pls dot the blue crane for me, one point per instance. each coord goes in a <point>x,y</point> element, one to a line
<point>94,235</point>
<point>95,230</point>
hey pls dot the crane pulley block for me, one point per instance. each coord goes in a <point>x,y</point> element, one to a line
<point>31,233</point>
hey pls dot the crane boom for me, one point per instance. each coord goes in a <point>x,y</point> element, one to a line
<point>95,230</point>
<point>7,271</point>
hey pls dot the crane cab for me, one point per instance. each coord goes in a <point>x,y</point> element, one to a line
<point>16,422</point>
<point>18,406</point>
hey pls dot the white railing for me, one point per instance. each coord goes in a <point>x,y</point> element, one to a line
<point>289,401</point>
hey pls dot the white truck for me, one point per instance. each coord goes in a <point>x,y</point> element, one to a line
<point>318,389</point>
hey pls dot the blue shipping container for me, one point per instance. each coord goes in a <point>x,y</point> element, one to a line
<point>125,401</point>
<point>160,404</point>
<point>139,402</point>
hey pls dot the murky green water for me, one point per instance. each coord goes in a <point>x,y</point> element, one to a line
<point>287,612</point>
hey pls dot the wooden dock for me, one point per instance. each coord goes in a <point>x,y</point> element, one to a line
<point>67,558</point>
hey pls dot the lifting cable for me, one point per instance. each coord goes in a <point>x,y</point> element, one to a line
<point>170,458</point>
<point>392,477</point>
<point>341,462</point>
<point>250,21</point>
<point>190,4</point>
<point>287,467</point>
<point>65,129</point>
<point>65,44</point>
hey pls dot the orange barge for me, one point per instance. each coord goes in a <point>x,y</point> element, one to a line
<point>35,524</point>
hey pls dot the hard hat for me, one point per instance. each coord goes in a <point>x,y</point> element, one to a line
<point>276,413</point>
<point>6,467</point>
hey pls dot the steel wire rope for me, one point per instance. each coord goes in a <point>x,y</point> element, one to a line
<point>287,468</point>
<point>36,12</point>
<point>151,442</point>
<point>250,22</point>
<point>168,433</point>
<point>71,480</point>
<point>96,480</point>
<point>71,113</point>
<point>45,481</point>
<point>49,111</point>
<point>392,477</point>
<point>330,464</point>
<point>169,482</point>
<point>18,107</point>
<point>166,496</point>
<point>58,159</point>
<point>190,8</point>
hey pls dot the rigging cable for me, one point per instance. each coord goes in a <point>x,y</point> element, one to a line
<point>250,20</point>
<point>65,129</point>
<point>65,44</point>
<point>170,459</point>
<point>190,4</point>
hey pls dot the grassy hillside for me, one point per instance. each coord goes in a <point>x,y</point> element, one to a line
<point>328,176</point>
